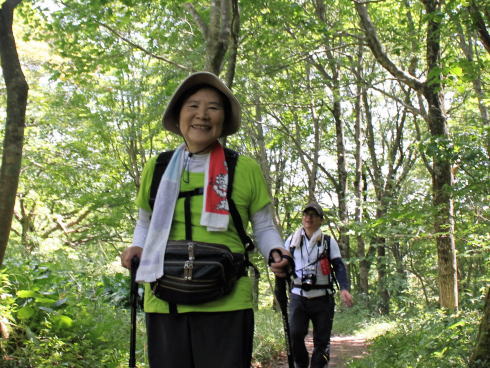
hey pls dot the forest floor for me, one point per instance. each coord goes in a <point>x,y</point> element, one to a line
<point>343,349</point>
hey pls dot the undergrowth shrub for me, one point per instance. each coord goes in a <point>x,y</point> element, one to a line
<point>72,313</point>
<point>67,314</point>
<point>348,321</point>
<point>427,340</point>
<point>269,340</point>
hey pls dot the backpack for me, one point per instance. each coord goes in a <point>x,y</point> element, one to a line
<point>324,255</point>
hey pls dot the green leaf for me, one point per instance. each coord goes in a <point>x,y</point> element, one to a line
<point>457,324</point>
<point>456,70</point>
<point>62,321</point>
<point>25,312</point>
<point>440,354</point>
<point>26,293</point>
<point>44,300</point>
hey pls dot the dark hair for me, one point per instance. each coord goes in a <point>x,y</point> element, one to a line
<point>190,91</point>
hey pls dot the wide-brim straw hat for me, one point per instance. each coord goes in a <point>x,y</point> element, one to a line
<point>171,116</point>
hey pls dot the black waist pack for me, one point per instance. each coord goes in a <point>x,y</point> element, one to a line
<point>197,272</point>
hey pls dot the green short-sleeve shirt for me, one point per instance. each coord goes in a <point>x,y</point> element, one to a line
<point>249,194</point>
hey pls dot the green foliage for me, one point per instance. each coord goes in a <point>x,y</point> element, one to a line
<point>431,339</point>
<point>351,321</point>
<point>269,340</point>
<point>360,323</point>
<point>67,313</point>
<point>74,313</point>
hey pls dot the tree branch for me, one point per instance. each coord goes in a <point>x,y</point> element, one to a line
<point>141,48</point>
<point>379,53</point>
<point>301,150</point>
<point>198,19</point>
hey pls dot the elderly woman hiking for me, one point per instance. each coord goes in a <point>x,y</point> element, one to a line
<point>190,235</point>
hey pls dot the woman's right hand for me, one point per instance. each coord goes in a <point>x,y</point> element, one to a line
<point>128,254</point>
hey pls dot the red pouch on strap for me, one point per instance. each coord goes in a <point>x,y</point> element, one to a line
<point>325,266</point>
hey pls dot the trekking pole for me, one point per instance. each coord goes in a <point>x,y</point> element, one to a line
<point>282,299</point>
<point>133,300</point>
<point>280,291</point>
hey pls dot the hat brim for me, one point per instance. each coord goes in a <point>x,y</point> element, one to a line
<point>316,208</point>
<point>171,115</point>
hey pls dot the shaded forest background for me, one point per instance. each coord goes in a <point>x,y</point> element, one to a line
<point>379,110</point>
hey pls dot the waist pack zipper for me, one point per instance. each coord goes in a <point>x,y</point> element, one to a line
<point>188,267</point>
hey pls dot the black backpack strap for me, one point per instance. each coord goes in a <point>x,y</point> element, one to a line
<point>327,248</point>
<point>327,254</point>
<point>161,164</point>
<point>291,250</point>
<point>231,160</point>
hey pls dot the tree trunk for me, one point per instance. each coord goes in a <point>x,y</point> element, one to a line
<point>217,34</point>
<point>402,282</point>
<point>441,168</point>
<point>26,220</point>
<point>479,23</point>
<point>17,89</point>
<point>233,48</point>
<point>342,174</point>
<point>442,177</point>
<point>358,186</point>
<point>442,180</point>
<point>312,178</point>
<point>481,354</point>
<point>332,79</point>
<point>384,295</point>
<point>364,266</point>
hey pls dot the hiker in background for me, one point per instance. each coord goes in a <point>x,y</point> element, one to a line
<point>315,256</point>
<point>192,204</point>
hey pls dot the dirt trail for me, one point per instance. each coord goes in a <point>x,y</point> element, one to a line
<point>343,349</point>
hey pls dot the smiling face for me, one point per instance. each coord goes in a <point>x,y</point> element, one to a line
<point>201,119</point>
<point>311,221</point>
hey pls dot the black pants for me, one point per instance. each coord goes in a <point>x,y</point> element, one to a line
<point>200,340</point>
<point>320,311</point>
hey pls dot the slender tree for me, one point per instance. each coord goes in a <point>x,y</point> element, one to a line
<point>332,74</point>
<point>17,89</point>
<point>442,176</point>
<point>467,43</point>
<point>481,353</point>
<point>358,183</point>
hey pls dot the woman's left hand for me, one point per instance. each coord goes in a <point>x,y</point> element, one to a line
<point>280,265</point>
